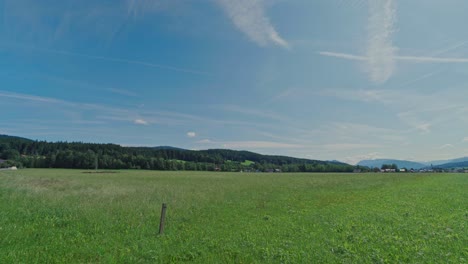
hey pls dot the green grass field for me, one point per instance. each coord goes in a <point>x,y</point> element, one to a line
<point>67,216</point>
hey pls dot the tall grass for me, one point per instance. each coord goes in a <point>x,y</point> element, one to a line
<point>57,216</point>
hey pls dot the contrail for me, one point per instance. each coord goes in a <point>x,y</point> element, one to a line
<point>381,56</point>
<point>111,59</point>
<point>343,55</point>
<point>415,59</point>
<point>135,62</point>
<point>380,50</point>
<point>432,59</point>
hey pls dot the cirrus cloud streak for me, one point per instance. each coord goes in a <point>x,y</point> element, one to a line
<point>249,17</point>
<point>415,59</point>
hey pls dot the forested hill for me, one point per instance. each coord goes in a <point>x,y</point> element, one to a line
<point>41,154</point>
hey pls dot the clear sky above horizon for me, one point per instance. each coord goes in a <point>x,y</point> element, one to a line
<point>322,79</point>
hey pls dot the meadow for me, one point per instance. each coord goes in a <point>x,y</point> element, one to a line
<point>67,216</point>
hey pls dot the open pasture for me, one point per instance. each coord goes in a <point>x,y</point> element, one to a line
<point>67,216</point>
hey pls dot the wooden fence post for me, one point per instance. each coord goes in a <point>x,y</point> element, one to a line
<point>163,218</point>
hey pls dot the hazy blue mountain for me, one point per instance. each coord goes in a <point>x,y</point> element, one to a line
<point>7,137</point>
<point>444,164</point>
<point>440,162</point>
<point>453,165</point>
<point>377,163</point>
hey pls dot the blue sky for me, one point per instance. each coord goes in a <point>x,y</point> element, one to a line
<point>320,79</point>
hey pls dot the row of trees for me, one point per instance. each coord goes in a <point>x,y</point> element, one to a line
<point>40,154</point>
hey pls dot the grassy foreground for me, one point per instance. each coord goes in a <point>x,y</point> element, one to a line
<point>67,216</point>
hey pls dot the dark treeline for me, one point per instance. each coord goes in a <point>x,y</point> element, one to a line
<point>41,154</point>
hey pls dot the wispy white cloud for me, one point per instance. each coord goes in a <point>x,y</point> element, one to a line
<point>380,49</point>
<point>281,96</point>
<point>451,47</point>
<point>29,20</point>
<point>259,145</point>
<point>140,122</point>
<point>204,141</point>
<point>415,108</point>
<point>127,115</point>
<point>363,95</point>
<point>122,92</point>
<point>75,108</point>
<point>424,128</point>
<point>349,146</point>
<point>381,54</point>
<point>351,3</point>
<point>250,18</point>
<point>465,139</point>
<point>191,134</point>
<point>343,55</point>
<point>415,59</point>
<point>420,78</point>
<point>418,59</point>
<point>250,145</point>
<point>357,128</point>
<point>126,61</point>
<point>28,97</point>
<point>138,7</point>
<point>446,146</point>
<point>254,112</point>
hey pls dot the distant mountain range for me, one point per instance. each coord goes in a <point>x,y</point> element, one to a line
<point>440,162</point>
<point>443,164</point>
<point>377,163</point>
<point>453,165</point>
